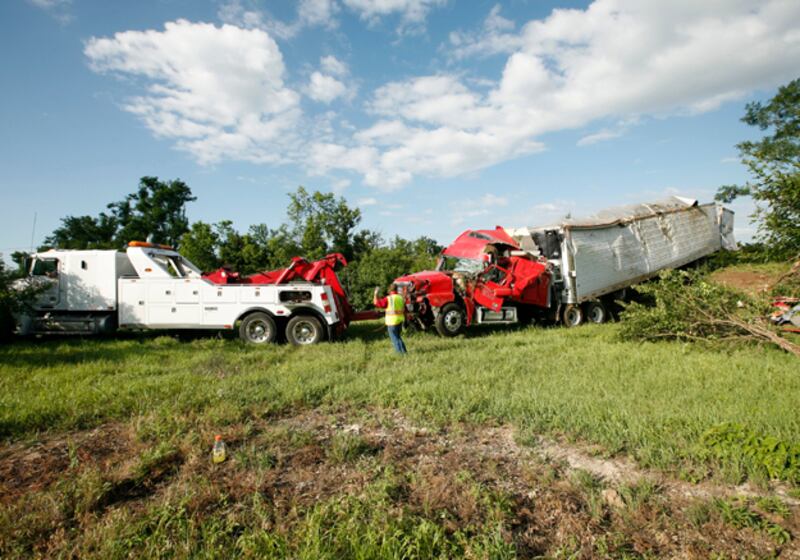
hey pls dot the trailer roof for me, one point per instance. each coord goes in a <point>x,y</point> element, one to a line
<point>626,213</point>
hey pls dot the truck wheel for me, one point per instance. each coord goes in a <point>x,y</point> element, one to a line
<point>572,316</point>
<point>451,320</point>
<point>302,330</point>
<point>258,328</point>
<point>596,312</point>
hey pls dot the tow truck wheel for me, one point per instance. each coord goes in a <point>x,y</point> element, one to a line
<point>451,320</point>
<point>596,312</point>
<point>258,328</point>
<point>302,330</point>
<point>572,316</point>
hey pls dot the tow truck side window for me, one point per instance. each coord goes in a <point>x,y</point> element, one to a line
<point>171,265</point>
<point>45,267</point>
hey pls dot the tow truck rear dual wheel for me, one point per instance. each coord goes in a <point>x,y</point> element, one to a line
<point>572,316</point>
<point>258,328</point>
<point>302,330</point>
<point>596,312</point>
<point>451,320</point>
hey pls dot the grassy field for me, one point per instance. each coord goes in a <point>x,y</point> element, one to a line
<point>154,404</point>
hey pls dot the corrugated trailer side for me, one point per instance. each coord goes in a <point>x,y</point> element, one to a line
<point>614,251</point>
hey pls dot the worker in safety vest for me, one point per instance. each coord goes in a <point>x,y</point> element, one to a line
<point>395,307</point>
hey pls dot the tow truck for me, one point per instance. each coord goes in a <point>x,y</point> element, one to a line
<point>151,286</point>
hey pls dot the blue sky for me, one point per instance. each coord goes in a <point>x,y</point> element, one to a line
<point>433,116</point>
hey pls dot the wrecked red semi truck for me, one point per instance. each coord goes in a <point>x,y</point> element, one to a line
<point>568,272</point>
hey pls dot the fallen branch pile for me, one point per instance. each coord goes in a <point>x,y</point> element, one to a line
<point>687,307</point>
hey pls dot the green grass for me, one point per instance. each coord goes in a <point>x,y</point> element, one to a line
<point>650,401</point>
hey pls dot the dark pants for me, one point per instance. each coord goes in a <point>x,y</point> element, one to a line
<point>397,341</point>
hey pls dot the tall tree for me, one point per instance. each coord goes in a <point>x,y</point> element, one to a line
<point>321,223</point>
<point>774,164</point>
<point>157,209</point>
<point>200,245</point>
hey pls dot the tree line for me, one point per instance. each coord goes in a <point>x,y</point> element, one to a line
<point>317,224</point>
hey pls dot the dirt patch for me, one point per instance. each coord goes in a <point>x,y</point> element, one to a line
<point>749,282</point>
<point>30,467</point>
<point>551,499</point>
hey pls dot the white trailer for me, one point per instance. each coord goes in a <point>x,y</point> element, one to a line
<point>619,247</point>
<point>154,287</point>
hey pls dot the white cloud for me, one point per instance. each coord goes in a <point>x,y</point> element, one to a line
<point>322,13</point>
<point>324,88</point>
<point>367,201</point>
<point>599,136</point>
<point>617,59</point>
<point>496,36</point>
<point>333,66</point>
<point>310,13</point>
<point>57,9</point>
<point>412,12</point>
<point>218,91</point>
<point>221,92</point>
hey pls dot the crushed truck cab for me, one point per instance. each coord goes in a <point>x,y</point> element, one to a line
<point>152,286</point>
<point>567,272</point>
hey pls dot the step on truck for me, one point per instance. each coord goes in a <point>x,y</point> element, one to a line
<point>152,286</point>
<point>565,273</point>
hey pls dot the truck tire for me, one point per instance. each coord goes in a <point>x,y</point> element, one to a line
<point>451,320</point>
<point>258,328</point>
<point>302,330</point>
<point>596,312</point>
<point>572,316</point>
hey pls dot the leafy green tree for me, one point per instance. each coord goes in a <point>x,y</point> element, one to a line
<point>321,223</point>
<point>156,210</point>
<point>12,299</point>
<point>199,245</point>
<point>381,265</point>
<point>774,164</point>
<point>85,232</point>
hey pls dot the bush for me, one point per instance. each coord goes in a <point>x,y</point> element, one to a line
<point>686,306</point>
<point>12,300</point>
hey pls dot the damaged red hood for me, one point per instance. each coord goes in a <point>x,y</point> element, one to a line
<point>428,278</point>
<point>472,243</point>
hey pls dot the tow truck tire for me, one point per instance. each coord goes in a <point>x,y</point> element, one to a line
<point>258,328</point>
<point>451,320</point>
<point>596,312</point>
<point>302,330</point>
<point>572,316</point>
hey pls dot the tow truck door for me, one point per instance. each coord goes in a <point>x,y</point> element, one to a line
<point>46,272</point>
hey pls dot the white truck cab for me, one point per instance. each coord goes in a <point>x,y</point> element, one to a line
<point>153,287</point>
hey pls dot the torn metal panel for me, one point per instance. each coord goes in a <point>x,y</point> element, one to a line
<point>621,246</point>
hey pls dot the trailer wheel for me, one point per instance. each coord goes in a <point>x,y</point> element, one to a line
<point>258,328</point>
<point>572,316</point>
<point>451,320</point>
<point>302,330</point>
<point>596,312</point>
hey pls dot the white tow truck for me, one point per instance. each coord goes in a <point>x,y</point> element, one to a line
<point>151,286</point>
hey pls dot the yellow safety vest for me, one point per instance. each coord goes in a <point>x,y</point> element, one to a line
<point>395,309</point>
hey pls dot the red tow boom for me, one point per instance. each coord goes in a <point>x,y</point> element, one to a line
<point>322,271</point>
